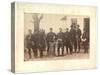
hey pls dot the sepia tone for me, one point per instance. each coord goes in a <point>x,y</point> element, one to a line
<point>69,36</point>
<point>55,17</point>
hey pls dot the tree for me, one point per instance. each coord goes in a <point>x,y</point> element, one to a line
<point>36,21</point>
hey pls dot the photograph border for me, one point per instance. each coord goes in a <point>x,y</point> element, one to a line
<point>58,65</point>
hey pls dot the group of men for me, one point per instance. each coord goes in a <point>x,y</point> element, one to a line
<point>55,44</point>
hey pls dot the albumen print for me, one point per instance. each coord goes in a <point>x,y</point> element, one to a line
<point>56,36</point>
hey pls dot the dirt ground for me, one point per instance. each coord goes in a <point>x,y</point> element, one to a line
<point>80,55</point>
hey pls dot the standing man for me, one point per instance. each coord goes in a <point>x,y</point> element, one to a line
<point>72,37</point>
<point>35,39</point>
<point>41,42</point>
<point>51,38</point>
<point>77,38</point>
<point>67,41</point>
<point>85,42</point>
<point>28,42</point>
<point>60,40</point>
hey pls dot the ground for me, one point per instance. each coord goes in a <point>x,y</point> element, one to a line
<point>80,55</point>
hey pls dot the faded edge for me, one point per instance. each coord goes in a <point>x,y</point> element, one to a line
<point>13,37</point>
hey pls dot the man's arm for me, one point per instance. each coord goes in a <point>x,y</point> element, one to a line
<point>80,32</point>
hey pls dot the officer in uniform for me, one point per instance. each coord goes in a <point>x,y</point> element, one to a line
<point>35,39</point>
<point>60,42</point>
<point>72,36</point>
<point>67,41</point>
<point>28,42</point>
<point>85,42</point>
<point>51,38</point>
<point>41,42</point>
<point>77,38</point>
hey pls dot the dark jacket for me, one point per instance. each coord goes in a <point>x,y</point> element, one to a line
<point>72,34</point>
<point>51,37</point>
<point>60,37</point>
<point>28,41</point>
<point>35,39</point>
<point>67,37</point>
